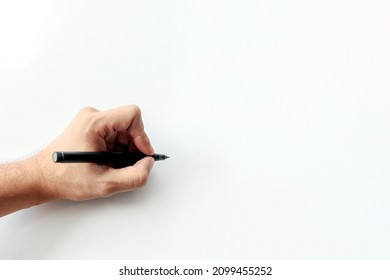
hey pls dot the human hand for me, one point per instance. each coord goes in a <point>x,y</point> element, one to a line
<point>119,129</point>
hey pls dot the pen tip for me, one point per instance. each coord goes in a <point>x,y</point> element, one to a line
<point>160,157</point>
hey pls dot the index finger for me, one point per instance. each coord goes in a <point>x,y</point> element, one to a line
<point>128,119</point>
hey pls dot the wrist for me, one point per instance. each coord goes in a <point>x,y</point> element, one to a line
<point>34,168</point>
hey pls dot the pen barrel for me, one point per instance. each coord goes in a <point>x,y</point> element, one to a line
<point>119,160</point>
<point>115,159</point>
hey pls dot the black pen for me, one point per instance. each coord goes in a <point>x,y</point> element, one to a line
<point>115,159</point>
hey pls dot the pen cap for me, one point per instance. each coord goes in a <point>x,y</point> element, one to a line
<point>57,156</point>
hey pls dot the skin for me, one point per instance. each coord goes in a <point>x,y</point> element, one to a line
<point>37,179</point>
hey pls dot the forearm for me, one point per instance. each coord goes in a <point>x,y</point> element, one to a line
<point>21,186</point>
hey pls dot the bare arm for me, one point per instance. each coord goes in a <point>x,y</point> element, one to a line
<point>20,187</point>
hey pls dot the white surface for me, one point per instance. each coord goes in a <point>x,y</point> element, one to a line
<point>275,115</point>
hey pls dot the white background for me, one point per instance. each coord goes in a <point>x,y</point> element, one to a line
<point>275,115</point>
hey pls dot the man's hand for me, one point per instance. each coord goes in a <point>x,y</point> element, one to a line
<point>119,129</point>
<point>38,179</point>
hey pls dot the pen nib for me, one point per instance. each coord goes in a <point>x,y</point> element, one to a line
<point>160,157</point>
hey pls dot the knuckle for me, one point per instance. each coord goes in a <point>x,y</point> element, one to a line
<point>88,109</point>
<point>91,124</point>
<point>135,109</point>
<point>141,179</point>
<point>87,120</point>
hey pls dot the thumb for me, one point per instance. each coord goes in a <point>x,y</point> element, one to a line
<point>129,178</point>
